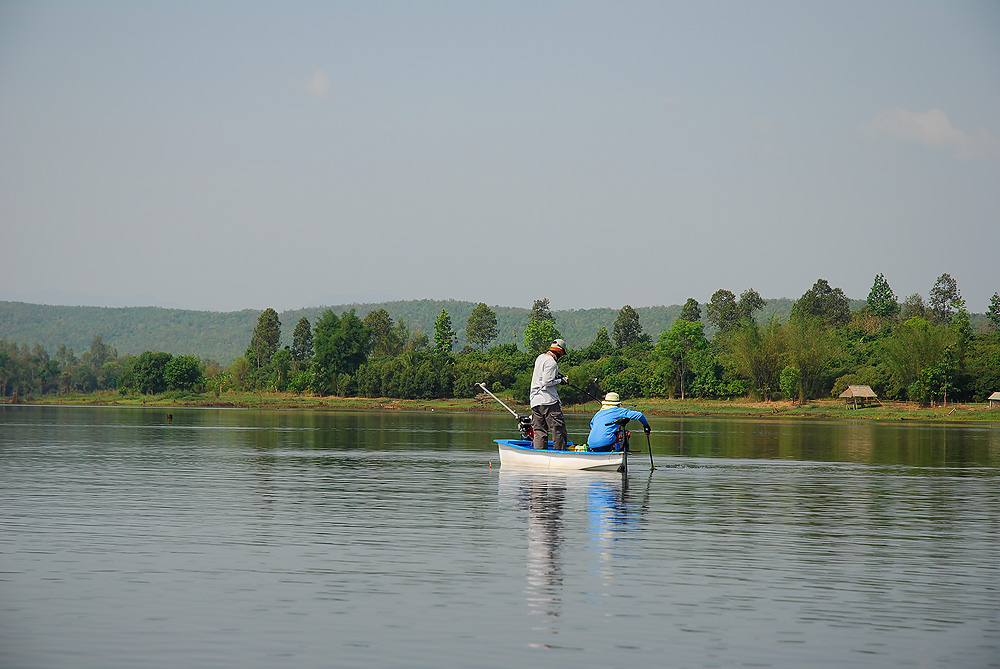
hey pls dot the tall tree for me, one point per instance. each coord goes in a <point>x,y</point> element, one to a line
<point>302,343</point>
<point>481,328</point>
<point>824,302</point>
<point>540,311</point>
<point>882,301</point>
<point>757,352</point>
<point>750,303</point>
<point>811,350</point>
<point>538,335</point>
<point>264,341</point>
<point>341,346</point>
<point>945,298</point>
<point>691,311</point>
<point>384,340</point>
<point>721,311</point>
<point>913,306</point>
<point>627,330</point>
<point>444,334</point>
<point>994,311</point>
<point>680,343</point>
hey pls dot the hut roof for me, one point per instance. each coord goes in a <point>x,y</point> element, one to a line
<point>995,396</point>
<point>858,391</point>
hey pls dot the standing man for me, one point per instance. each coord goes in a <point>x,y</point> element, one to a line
<point>546,409</point>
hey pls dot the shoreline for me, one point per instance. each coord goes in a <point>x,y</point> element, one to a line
<point>815,409</point>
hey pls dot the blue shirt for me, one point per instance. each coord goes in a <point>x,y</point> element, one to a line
<point>602,434</point>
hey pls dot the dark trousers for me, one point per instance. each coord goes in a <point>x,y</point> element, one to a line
<point>545,420</point>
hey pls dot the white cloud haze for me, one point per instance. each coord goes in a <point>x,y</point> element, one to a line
<point>319,85</point>
<point>933,130</point>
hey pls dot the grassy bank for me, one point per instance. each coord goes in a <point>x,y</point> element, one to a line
<point>833,409</point>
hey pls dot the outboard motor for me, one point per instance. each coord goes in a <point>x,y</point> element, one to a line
<point>524,425</point>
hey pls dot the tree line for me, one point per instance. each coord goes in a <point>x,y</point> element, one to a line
<point>917,350</point>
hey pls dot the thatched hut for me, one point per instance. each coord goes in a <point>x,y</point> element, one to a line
<point>995,397</point>
<point>858,396</point>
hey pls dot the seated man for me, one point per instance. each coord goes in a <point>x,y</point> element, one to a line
<point>604,426</point>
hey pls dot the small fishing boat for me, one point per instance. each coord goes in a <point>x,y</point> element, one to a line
<point>521,453</point>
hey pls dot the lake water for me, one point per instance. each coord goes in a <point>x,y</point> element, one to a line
<point>243,538</point>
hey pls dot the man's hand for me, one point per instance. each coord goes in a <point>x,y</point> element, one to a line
<point>646,429</point>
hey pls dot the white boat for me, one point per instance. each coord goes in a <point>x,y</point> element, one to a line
<point>520,453</point>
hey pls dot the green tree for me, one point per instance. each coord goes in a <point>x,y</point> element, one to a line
<point>691,311</point>
<point>281,368</point>
<point>341,347</point>
<point>149,372</point>
<point>540,311</point>
<point>945,298</point>
<point>994,311</point>
<point>882,302</point>
<point>789,382</point>
<point>750,302</point>
<point>811,350</point>
<point>481,328</point>
<point>538,335</point>
<point>824,302</point>
<point>680,343</point>
<point>757,352</point>
<point>183,372</point>
<point>913,346</point>
<point>384,339</point>
<point>913,307</point>
<point>627,330</point>
<point>302,344</point>
<point>721,311</point>
<point>444,334</point>
<point>264,341</point>
<point>600,347</point>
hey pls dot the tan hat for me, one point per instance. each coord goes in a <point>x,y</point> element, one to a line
<point>558,345</point>
<point>611,400</point>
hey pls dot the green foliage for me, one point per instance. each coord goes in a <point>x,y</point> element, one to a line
<point>627,330</point>
<point>913,307</point>
<point>830,305</point>
<point>481,328</point>
<point>757,352</point>
<point>691,311</point>
<point>882,302</point>
<point>600,347</point>
<point>444,334</point>
<point>183,372</point>
<point>680,343</point>
<point>540,311</point>
<point>914,346</point>
<point>945,299</point>
<point>726,313</point>
<point>994,311</point>
<point>302,344</point>
<point>417,375</point>
<point>812,348</point>
<point>147,373</point>
<point>264,342</point>
<point>789,381</point>
<point>341,347</point>
<point>538,335</point>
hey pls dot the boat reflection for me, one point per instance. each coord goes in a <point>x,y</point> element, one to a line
<point>599,501</point>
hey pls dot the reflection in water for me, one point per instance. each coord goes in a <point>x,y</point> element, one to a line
<point>552,501</point>
<point>543,498</point>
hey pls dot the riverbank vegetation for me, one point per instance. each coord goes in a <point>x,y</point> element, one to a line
<point>916,356</point>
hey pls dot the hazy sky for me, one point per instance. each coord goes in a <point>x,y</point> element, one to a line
<point>217,155</point>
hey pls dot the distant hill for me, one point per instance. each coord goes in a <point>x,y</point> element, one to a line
<point>223,336</point>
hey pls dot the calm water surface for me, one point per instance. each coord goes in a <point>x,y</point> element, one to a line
<point>241,538</point>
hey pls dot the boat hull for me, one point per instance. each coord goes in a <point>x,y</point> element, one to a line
<point>518,453</point>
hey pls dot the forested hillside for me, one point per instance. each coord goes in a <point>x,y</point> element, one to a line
<point>224,336</point>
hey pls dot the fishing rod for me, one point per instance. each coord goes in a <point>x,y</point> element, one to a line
<point>523,422</point>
